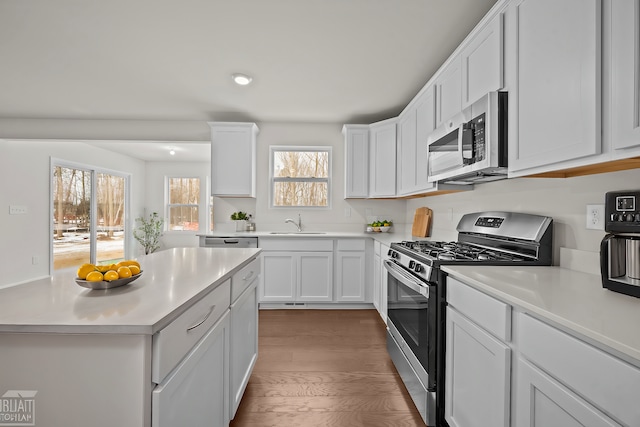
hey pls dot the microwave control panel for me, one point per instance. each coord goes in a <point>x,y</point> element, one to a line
<point>622,211</point>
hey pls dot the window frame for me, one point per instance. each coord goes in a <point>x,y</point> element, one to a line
<point>203,204</point>
<point>300,148</point>
<point>93,218</point>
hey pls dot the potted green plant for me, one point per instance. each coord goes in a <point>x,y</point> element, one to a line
<point>241,219</point>
<point>149,232</point>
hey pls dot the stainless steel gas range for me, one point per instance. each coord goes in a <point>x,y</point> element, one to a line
<point>417,296</point>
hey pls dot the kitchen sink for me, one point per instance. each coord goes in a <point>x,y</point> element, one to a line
<point>297,232</point>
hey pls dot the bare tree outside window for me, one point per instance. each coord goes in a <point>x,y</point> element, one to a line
<point>184,199</point>
<point>300,177</point>
<point>73,216</point>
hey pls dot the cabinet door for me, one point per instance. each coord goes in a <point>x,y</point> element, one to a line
<point>625,76</point>
<point>449,91</point>
<point>541,401</point>
<point>278,277</point>
<point>351,276</point>
<point>315,281</point>
<point>233,159</point>
<point>557,88</point>
<point>356,153</point>
<point>244,344</point>
<point>425,124</point>
<point>383,283</point>
<point>196,393</point>
<point>477,375</point>
<point>482,63</point>
<point>377,280</point>
<point>382,159</point>
<point>407,150</point>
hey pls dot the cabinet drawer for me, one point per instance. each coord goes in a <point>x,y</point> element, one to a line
<point>243,278</point>
<point>606,381</point>
<point>296,244</point>
<point>172,343</point>
<point>488,312</point>
<point>351,245</point>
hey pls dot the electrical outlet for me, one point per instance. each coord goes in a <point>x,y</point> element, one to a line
<point>595,217</point>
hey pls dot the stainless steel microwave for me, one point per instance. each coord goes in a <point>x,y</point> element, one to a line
<point>471,147</point>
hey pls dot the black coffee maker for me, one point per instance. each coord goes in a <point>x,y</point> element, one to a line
<point>620,248</point>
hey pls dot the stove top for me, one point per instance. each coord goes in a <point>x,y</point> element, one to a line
<point>455,251</point>
<point>488,238</point>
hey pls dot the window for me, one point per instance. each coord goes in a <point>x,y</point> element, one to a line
<point>183,204</point>
<point>89,213</point>
<point>300,176</point>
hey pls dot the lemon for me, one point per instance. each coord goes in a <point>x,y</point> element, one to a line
<point>130,262</point>
<point>94,276</point>
<point>111,275</point>
<point>84,270</point>
<point>134,269</point>
<point>124,272</point>
<point>102,268</point>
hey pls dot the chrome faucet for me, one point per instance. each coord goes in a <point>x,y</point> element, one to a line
<point>298,224</point>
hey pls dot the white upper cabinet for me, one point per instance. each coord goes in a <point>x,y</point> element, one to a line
<point>554,89</point>
<point>414,126</point>
<point>233,159</point>
<point>356,163</point>
<point>382,157</point>
<point>482,62</point>
<point>625,76</point>
<point>448,86</point>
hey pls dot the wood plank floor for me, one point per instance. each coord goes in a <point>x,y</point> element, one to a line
<point>324,368</point>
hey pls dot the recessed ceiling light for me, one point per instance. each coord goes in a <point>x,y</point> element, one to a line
<point>241,79</point>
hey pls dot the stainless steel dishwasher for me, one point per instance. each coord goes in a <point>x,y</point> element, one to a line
<point>228,242</point>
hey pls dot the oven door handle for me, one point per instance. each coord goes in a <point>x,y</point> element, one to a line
<point>406,279</point>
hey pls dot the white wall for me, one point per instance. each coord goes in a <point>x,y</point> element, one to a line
<point>563,199</point>
<point>25,176</point>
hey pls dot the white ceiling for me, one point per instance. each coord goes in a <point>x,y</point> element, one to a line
<point>339,61</point>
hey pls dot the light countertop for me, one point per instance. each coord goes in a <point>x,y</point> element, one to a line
<point>569,299</point>
<point>171,281</point>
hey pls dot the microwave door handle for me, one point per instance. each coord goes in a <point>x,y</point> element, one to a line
<point>465,133</point>
<point>460,143</point>
<point>406,280</point>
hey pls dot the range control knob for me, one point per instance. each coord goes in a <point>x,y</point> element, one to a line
<point>412,264</point>
<point>393,254</point>
<point>637,217</point>
<point>614,217</point>
<point>628,217</point>
<point>418,268</point>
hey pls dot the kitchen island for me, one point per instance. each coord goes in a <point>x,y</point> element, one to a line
<point>100,358</point>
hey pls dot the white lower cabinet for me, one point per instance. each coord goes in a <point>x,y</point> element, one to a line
<point>196,393</point>
<point>545,402</point>
<point>377,276</point>
<point>351,270</point>
<point>558,379</point>
<point>478,367</point>
<point>564,381</point>
<point>243,338</point>
<point>296,270</point>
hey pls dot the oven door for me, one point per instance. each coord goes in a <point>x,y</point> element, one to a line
<point>411,314</point>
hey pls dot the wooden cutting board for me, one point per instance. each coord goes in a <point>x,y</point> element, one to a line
<point>421,222</point>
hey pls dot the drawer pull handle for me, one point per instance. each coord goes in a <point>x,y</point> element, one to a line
<point>248,276</point>
<point>204,319</point>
